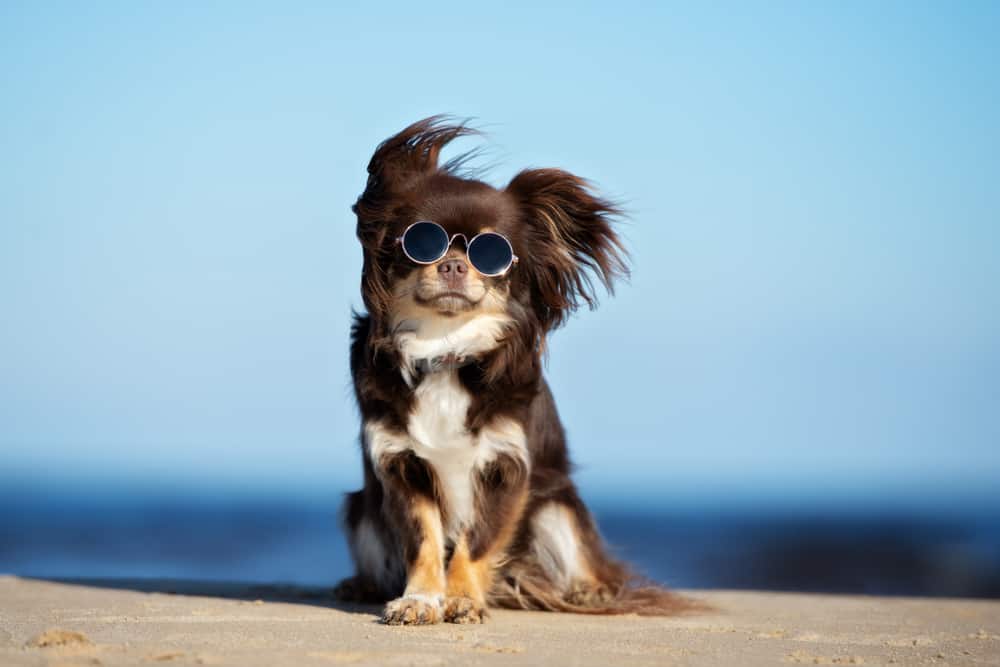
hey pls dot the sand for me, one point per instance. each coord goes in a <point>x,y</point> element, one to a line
<point>128,623</point>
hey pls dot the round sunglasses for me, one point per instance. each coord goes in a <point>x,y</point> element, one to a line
<point>426,242</point>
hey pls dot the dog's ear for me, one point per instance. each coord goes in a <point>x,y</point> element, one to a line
<point>569,240</point>
<point>397,167</point>
<point>401,160</point>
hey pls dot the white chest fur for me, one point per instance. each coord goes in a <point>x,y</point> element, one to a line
<point>436,428</point>
<point>429,337</point>
<point>436,433</point>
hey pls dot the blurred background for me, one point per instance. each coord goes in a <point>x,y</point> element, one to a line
<point>798,390</point>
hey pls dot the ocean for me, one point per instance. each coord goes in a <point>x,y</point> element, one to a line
<point>284,539</point>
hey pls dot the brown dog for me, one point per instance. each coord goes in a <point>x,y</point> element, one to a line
<point>467,498</point>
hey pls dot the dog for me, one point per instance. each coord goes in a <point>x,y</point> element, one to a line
<point>467,500</point>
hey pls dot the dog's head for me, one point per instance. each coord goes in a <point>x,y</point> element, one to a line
<point>559,229</point>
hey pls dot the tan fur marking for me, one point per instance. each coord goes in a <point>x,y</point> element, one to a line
<point>474,578</point>
<point>470,581</point>
<point>468,578</point>
<point>426,282</point>
<point>422,600</point>
<point>426,573</point>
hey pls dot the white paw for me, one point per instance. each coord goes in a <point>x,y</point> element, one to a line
<point>413,610</point>
<point>461,609</point>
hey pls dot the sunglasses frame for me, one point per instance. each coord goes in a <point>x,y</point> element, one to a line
<point>451,239</point>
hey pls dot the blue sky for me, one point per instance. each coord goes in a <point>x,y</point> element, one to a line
<point>814,307</point>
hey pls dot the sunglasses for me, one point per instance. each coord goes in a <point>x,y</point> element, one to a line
<point>426,242</point>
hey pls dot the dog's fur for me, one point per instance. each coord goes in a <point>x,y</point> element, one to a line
<point>467,498</point>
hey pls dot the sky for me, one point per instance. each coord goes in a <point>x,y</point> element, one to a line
<point>814,225</point>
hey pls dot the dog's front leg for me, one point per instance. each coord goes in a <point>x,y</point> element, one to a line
<point>413,508</point>
<point>501,496</point>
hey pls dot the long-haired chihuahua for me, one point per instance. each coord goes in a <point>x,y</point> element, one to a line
<point>467,500</point>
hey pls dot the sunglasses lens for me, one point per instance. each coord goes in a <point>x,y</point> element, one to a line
<point>425,242</point>
<point>490,253</point>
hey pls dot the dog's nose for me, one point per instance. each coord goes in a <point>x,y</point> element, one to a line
<point>453,268</point>
<point>452,273</point>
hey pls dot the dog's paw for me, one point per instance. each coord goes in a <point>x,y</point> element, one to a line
<point>413,610</point>
<point>464,610</point>
<point>589,595</point>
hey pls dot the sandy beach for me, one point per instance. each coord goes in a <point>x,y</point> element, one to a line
<point>122,623</point>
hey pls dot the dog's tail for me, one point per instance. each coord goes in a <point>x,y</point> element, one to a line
<point>524,584</point>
